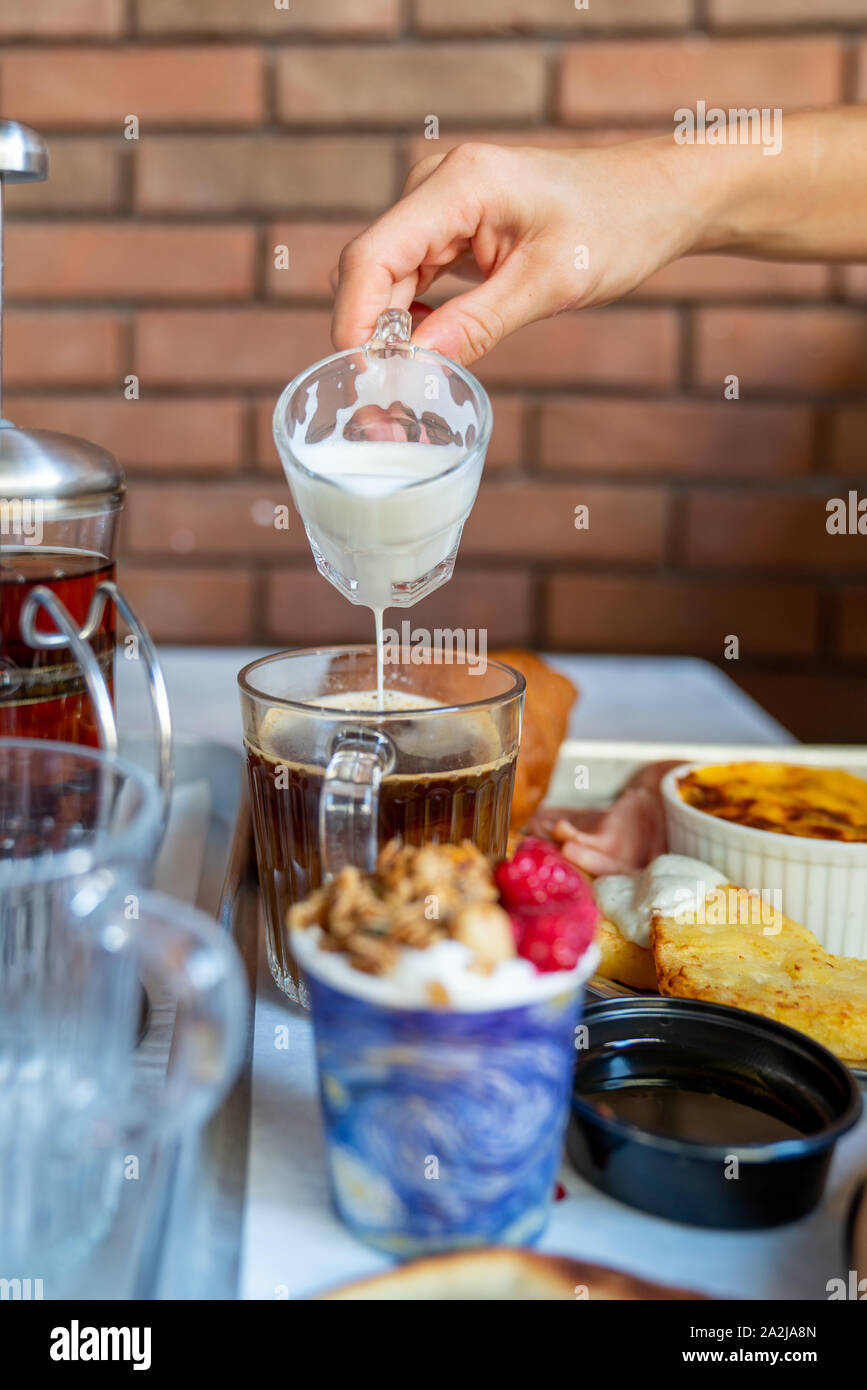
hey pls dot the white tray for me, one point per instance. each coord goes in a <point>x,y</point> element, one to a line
<point>292,1244</point>
<point>611,764</point>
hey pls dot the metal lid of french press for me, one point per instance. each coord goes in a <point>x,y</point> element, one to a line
<point>69,476</point>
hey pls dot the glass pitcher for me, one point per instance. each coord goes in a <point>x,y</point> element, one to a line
<point>79,1103</point>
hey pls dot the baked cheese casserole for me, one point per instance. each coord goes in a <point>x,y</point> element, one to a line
<point>815,803</point>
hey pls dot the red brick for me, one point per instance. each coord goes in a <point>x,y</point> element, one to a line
<point>517,16</point>
<point>851,616</point>
<point>244,173</point>
<point>848,443</point>
<point>228,518</point>
<point>303,608</point>
<point>861,86</point>
<point>505,449</point>
<point>652,78</point>
<point>725,439</point>
<point>653,614</point>
<point>266,450</point>
<point>233,346</point>
<point>241,17</point>
<point>176,605</point>
<point>172,434</point>
<point>314,250</point>
<point>61,19</point>
<point>266,455</point>
<point>742,14</point>
<point>537,521</point>
<point>612,347</point>
<point>763,531</point>
<point>538,137</point>
<point>162,86</point>
<point>855,281</point>
<point>785,350</point>
<point>445,288</point>
<point>84,176</point>
<point>388,85</point>
<point>735,277</point>
<point>102,260</point>
<point>78,349</point>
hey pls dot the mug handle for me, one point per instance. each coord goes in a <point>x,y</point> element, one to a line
<point>200,964</point>
<point>349,803</point>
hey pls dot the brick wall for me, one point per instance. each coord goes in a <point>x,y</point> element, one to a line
<point>261,127</point>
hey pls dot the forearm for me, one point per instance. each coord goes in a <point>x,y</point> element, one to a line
<point>808,202</point>
<point>549,230</point>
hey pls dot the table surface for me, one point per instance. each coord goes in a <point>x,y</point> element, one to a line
<point>292,1243</point>
<point>628,697</point>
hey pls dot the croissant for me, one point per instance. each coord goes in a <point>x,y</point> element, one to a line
<point>550,696</point>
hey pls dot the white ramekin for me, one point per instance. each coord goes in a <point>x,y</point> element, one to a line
<point>823,882</point>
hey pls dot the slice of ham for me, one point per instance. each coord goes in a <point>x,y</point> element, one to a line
<point>630,834</point>
<point>545,820</point>
<point>619,840</point>
<point>650,776</point>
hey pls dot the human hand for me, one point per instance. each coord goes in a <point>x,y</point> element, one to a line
<point>540,230</point>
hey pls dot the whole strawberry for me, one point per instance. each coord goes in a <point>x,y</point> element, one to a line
<point>535,875</point>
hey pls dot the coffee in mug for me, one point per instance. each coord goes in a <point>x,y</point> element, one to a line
<point>333,778</point>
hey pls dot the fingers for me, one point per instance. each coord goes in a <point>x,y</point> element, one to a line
<point>419,313</point>
<point>420,172</point>
<point>468,326</point>
<point>431,225</point>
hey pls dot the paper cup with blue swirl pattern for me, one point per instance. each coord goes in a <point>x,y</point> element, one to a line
<point>444,1127</point>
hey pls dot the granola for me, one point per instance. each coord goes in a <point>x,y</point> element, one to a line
<point>415,897</point>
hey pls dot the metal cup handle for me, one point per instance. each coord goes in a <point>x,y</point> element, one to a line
<point>67,634</point>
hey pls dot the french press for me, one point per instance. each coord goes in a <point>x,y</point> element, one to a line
<point>60,501</point>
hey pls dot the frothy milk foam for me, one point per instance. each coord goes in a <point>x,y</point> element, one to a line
<point>374,702</point>
<point>476,744</point>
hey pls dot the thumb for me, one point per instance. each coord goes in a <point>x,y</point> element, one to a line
<point>469,325</point>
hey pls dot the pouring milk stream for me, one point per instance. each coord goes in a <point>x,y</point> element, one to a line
<point>383,448</point>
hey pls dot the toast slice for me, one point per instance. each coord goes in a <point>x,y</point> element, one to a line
<point>745,955</point>
<point>624,960</point>
<point>502,1272</point>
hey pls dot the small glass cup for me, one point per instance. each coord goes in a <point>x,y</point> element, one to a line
<point>78,829</point>
<point>384,541</point>
<point>444,1129</point>
<point>330,786</point>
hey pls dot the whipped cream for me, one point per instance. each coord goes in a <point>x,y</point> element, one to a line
<point>448,963</point>
<point>671,884</point>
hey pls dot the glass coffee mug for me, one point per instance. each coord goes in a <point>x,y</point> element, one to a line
<point>78,829</point>
<point>332,779</point>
